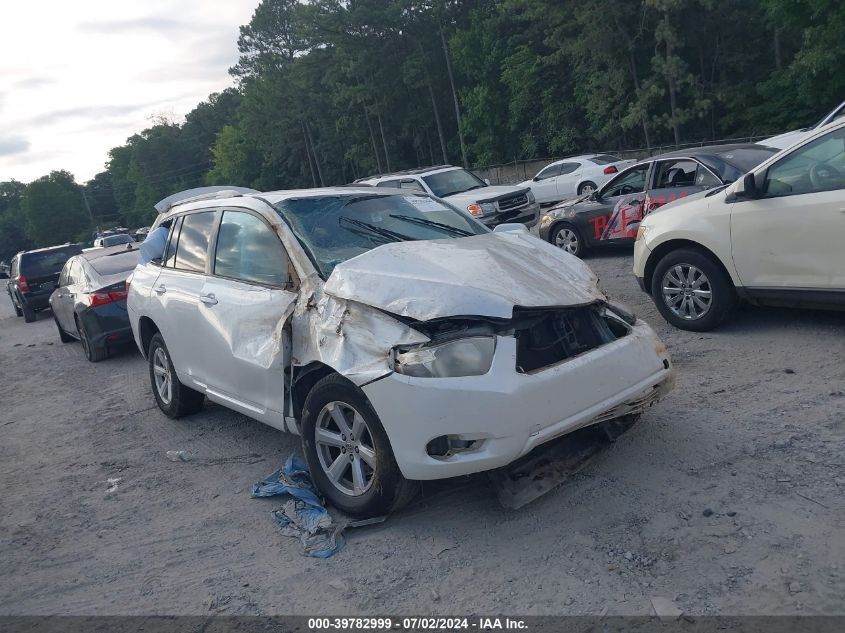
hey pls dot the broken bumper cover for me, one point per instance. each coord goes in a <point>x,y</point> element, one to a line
<point>508,413</point>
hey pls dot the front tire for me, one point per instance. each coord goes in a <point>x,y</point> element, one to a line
<point>691,291</point>
<point>18,311</point>
<point>173,398</point>
<point>64,337</point>
<point>348,452</point>
<point>566,236</point>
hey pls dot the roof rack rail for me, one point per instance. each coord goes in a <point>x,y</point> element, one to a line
<point>201,193</point>
<point>404,172</point>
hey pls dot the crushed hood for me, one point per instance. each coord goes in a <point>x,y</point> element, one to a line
<point>484,275</point>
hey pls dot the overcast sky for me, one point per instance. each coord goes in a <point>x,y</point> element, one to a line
<point>78,78</point>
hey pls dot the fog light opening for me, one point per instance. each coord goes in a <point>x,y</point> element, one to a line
<point>447,445</point>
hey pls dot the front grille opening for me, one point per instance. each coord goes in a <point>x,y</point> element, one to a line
<point>552,336</point>
<point>515,201</point>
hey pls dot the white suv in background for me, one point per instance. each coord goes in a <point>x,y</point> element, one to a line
<point>774,237</point>
<point>491,205</point>
<point>574,176</point>
<point>401,338</point>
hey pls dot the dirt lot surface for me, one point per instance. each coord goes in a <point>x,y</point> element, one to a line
<point>726,498</point>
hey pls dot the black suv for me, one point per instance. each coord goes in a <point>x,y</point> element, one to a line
<point>33,276</point>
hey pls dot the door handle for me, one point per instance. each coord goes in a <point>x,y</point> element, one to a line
<point>160,289</point>
<point>209,299</point>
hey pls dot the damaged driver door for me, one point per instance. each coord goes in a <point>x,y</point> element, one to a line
<point>244,306</point>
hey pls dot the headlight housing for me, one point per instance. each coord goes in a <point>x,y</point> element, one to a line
<point>484,208</point>
<point>471,356</point>
<point>531,197</point>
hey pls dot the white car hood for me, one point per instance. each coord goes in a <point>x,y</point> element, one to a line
<point>484,275</point>
<point>484,194</point>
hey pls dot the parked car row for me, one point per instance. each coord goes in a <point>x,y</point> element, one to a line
<point>611,215</point>
<point>772,237</point>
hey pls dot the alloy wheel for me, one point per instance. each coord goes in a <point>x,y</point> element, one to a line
<point>567,239</point>
<point>163,377</point>
<point>345,448</point>
<point>687,292</point>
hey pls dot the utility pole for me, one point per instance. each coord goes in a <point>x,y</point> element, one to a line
<point>454,96</point>
<point>87,206</point>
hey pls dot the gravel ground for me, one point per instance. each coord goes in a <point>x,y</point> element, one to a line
<point>727,498</point>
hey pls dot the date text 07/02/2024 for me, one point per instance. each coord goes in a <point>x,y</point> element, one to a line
<point>416,624</point>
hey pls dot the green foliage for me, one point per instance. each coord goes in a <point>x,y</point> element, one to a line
<point>54,211</point>
<point>333,90</point>
<point>12,234</point>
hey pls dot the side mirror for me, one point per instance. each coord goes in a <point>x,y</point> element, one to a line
<point>594,196</point>
<point>487,181</point>
<point>749,186</point>
<point>536,179</point>
<point>510,227</point>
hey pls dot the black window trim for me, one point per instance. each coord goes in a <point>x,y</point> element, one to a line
<point>212,239</point>
<point>291,285</point>
<point>649,171</point>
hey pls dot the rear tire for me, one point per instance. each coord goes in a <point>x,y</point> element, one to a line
<point>64,337</point>
<point>586,187</point>
<point>691,291</point>
<point>173,398</point>
<point>28,313</point>
<point>338,409</point>
<point>92,353</point>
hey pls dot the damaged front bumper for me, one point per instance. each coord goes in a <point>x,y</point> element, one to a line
<point>496,418</point>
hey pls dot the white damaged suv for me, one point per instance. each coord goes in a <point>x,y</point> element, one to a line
<point>400,338</point>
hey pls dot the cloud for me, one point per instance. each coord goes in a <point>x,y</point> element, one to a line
<point>94,113</point>
<point>149,23</point>
<point>11,145</point>
<point>33,82</point>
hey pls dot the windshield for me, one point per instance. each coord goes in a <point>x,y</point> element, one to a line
<point>448,183</point>
<point>336,228</point>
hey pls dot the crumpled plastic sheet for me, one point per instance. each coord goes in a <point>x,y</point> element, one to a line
<point>303,516</point>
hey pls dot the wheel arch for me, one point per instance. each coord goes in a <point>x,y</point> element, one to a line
<point>147,329</point>
<point>672,245</point>
<point>304,379</point>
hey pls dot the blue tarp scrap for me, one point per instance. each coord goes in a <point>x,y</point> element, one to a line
<point>304,515</point>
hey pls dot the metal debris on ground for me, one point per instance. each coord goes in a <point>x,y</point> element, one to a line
<point>178,456</point>
<point>547,467</point>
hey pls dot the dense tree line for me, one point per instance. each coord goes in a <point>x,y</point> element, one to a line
<point>331,90</point>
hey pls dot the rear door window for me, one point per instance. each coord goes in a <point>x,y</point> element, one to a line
<point>249,250</point>
<point>675,173</point>
<point>192,247</point>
